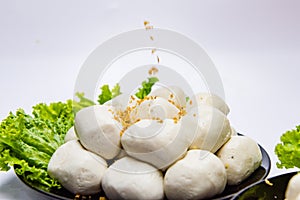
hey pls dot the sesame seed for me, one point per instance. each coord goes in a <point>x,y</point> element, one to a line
<point>147,27</point>
<point>268,182</point>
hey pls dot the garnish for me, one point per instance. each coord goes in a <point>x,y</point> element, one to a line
<point>187,99</point>
<point>27,142</point>
<point>82,103</point>
<point>146,87</point>
<point>152,71</point>
<point>158,59</point>
<point>147,25</point>
<point>288,151</point>
<point>108,94</point>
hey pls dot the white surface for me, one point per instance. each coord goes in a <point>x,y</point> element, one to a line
<point>255,45</point>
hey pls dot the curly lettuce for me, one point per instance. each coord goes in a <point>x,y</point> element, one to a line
<point>27,142</point>
<point>288,151</point>
<point>146,87</point>
<point>107,94</point>
<point>82,103</point>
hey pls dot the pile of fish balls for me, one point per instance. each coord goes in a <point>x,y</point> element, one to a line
<point>162,146</point>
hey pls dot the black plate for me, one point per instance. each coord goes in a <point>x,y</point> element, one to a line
<point>262,190</point>
<point>259,174</point>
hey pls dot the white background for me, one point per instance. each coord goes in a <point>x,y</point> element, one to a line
<point>255,46</point>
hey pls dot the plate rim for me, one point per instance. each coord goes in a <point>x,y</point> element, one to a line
<point>235,197</point>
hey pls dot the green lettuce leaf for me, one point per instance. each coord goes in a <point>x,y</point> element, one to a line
<point>288,151</point>
<point>187,99</point>
<point>108,94</point>
<point>28,142</point>
<point>115,91</point>
<point>82,103</point>
<point>146,87</point>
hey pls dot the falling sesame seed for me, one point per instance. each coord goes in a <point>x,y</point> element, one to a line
<point>191,102</point>
<point>153,51</point>
<point>148,27</point>
<point>146,23</point>
<point>151,38</point>
<point>152,71</point>
<point>158,60</point>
